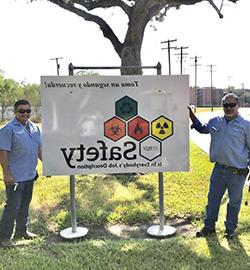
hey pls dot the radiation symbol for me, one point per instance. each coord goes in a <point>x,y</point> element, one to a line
<point>162,128</point>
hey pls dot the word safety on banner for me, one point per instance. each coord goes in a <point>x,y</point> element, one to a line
<point>114,124</point>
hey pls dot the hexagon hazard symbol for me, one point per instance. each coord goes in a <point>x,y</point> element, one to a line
<point>138,128</point>
<point>150,148</point>
<point>162,128</point>
<point>126,108</point>
<point>114,129</point>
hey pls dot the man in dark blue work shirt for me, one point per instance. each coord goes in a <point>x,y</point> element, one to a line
<point>229,149</point>
<point>20,148</point>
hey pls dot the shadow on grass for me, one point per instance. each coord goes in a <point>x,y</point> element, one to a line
<point>235,250</point>
<point>98,206</point>
<point>97,203</point>
<point>173,253</point>
<point>124,178</point>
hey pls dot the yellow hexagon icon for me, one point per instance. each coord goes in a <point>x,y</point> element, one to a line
<point>162,128</point>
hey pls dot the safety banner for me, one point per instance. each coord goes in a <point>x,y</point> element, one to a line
<point>114,124</point>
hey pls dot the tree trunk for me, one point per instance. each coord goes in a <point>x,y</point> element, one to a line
<point>130,56</point>
<point>131,48</point>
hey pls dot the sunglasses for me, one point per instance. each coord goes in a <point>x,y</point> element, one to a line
<point>24,111</point>
<point>231,105</point>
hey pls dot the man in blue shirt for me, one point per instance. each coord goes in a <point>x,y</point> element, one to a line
<point>229,149</point>
<point>20,148</point>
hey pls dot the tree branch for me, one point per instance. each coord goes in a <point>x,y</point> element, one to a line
<point>105,28</point>
<point>178,3</point>
<point>90,5</point>
<point>216,8</point>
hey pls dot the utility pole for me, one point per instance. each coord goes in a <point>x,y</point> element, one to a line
<point>195,77</point>
<point>211,77</point>
<point>181,54</point>
<point>243,98</point>
<point>229,83</point>
<point>57,63</point>
<point>169,48</point>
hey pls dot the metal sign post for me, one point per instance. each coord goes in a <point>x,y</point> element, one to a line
<point>73,232</point>
<point>161,230</point>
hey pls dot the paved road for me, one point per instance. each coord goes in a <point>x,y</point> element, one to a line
<point>203,140</point>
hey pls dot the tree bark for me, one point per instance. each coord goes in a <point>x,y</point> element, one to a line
<point>131,56</point>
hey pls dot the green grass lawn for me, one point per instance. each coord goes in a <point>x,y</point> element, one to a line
<point>208,109</point>
<point>109,199</point>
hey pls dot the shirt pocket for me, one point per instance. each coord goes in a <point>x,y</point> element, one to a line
<point>36,138</point>
<point>237,134</point>
<point>19,141</point>
<point>215,129</point>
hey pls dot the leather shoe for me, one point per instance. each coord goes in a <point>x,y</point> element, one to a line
<point>205,232</point>
<point>26,235</point>
<point>7,243</point>
<point>229,235</point>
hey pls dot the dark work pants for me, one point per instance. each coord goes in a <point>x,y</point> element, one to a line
<point>16,209</point>
<point>221,180</point>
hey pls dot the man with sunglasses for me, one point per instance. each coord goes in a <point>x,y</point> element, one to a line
<point>20,148</point>
<point>229,150</point>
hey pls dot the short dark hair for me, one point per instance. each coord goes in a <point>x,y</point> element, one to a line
<point>20,102</point>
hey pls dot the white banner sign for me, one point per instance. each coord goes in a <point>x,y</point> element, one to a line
<point>114,124</point>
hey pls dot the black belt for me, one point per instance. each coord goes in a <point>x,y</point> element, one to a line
<point>234,170</point>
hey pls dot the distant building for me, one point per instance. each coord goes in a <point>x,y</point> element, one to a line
<point>204,97</point>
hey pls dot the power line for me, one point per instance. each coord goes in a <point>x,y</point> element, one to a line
<point>169,48</point>
<point>57,63</point>
<point>243,98</point>
<point>229,82</point>
<point>195,77</point>
<point>181,54</point>
<point>211,77</point>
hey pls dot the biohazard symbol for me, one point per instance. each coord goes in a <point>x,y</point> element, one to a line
<point>162,128</point>
<point>114,129</point>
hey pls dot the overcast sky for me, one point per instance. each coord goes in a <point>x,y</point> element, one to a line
<point>32,34</point>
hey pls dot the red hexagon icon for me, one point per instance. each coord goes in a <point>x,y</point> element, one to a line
<point>138,128</point>
<point>114,129</point>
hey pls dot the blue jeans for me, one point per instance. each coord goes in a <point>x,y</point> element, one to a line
<point>16,209</point>
<point>223,179</point>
